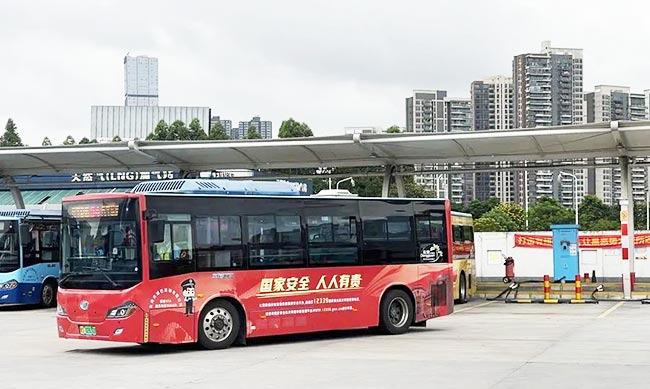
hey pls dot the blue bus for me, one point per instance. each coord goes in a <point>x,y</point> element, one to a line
<point>29,257</point>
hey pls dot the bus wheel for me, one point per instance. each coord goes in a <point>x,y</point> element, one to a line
<point>395,312</point>
<point>218,325</point>
<point>48,294</point>
<point>462,289</point>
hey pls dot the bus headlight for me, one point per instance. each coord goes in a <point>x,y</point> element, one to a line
<point>60,310</point>
<point>123,311</point>
<point>13,284</point>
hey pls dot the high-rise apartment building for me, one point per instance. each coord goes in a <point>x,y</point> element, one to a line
<point>425,111</point>
<point>226,124</point>
<point>263,127</point>
<point>492,103</point>
<point>458,114</point>
<point>548,91</point>
<point>492,108</point>
<point>611,103</point>
<point>140,81</point>
<point>433,111</point>
<point>567,72</point>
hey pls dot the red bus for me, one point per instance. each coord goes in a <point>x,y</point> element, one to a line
<point>216,264</point>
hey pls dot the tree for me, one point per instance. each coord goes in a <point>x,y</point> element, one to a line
<point>592,212</point>
<point>178,131</point>
<point>504,217</point>
<point>547,211</point>
<point>196,131</point>
<point>93,140</point>
<point>84,141</point>
<point>252,133</point>
<point>606,225</point>
<point>292,129</point>
<point>393,130</point>
<point>116,139</point>
<point>217,132</point>
<point>161,132</point>
<point>46,142</point>
<point>69,140</point>
<point>10,138</point>
<point>478,208</point>
<point>488,224</point>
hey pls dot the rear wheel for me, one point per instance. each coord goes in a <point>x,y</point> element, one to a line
<point>395,312</point>
<point>48,294</point>
<point>462,289</point>
<point>218,325</point>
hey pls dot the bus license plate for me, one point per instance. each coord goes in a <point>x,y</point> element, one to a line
<point>87,330</point>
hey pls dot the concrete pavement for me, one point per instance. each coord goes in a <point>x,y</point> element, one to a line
<point>482,345</point>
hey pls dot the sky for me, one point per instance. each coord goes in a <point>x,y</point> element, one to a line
<point>331,64</point>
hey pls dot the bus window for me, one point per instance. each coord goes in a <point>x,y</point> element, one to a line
<point>468,233</point>
<point>399,228</point>
<point>374,229</point>
<point>458,234</point>
<point>218,242</point>
<point>332,240</point>
<point>275,241</point>
<point>387,232</point>
<point>430,228</point>
<point>42,246</point>
<point>174,255</point>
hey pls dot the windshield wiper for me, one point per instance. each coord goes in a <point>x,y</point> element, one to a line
<point>73,274</point>
<point>104,273</point>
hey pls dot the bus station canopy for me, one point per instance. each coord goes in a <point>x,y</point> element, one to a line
<point>614,139</point>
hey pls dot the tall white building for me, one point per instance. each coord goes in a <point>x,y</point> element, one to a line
<point>548,91</point>
<point>425,111</point>
<point>140,81</point>
<point>493,110</point>
<point>611,103</point>
<point>433,111</point>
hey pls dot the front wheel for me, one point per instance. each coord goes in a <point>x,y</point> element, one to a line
<point>395,312</point>
<point>48,294</point>
<point>218,325</point>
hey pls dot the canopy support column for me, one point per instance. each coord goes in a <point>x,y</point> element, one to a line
<point>627,228</point>
<point>391,172</point>
<point>15,192</point>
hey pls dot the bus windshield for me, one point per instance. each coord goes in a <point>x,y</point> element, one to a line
<point>100,245</point>
<point>9,248</point>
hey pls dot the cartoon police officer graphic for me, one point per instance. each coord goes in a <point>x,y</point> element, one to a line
<point>189,295</point>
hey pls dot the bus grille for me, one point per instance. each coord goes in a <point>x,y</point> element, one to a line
<point>15,213</point>
<point>158,186</point>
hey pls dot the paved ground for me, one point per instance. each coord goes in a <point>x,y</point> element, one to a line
<point>482,345</point>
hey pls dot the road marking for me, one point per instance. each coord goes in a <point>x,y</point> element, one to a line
<point>610,310</point>
<point>475,306</point>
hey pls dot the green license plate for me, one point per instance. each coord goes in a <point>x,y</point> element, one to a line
<point>87,330</point>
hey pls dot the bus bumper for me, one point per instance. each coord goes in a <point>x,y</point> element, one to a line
<point>131,329</point>
<point>24,293</point>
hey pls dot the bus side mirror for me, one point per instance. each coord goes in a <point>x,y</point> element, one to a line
<point>25,233</point>
<point>156,231</point>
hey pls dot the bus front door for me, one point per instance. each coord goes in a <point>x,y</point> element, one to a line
<point>171,319</point>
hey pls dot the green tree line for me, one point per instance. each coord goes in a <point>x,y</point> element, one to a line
<point>593,215</point>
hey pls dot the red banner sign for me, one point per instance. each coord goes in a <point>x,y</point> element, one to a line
<point>585,241</point>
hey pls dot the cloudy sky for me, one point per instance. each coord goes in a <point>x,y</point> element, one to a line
<point>330,64</point>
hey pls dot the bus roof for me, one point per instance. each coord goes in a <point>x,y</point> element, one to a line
<point>224,187</point>
<point>30,214</point>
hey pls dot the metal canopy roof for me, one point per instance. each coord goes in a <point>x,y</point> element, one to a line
<point>549,143</point>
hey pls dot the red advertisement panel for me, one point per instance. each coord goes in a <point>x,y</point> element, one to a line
<point>585,241</point>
